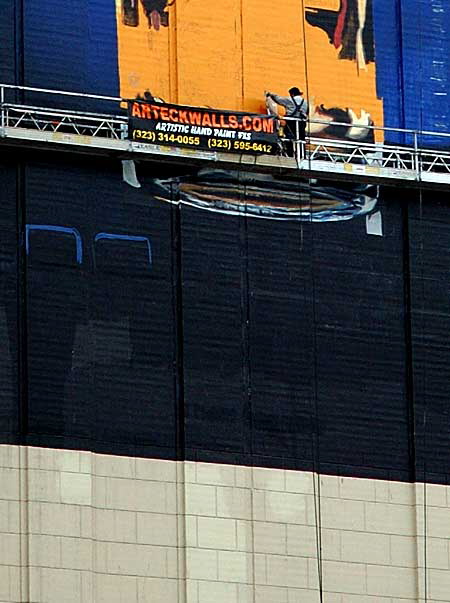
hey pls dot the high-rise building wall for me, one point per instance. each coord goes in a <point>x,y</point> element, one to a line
<point>254,408</point>
<point>200,403</point>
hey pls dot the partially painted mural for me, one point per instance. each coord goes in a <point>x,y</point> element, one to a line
<point>349,28</point>
<point>230,59</point>
<point>154,11</point>
<point>388,59</point>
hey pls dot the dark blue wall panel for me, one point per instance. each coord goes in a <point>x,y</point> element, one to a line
<point>213,319</point>
<point>295,345</point>
<point>8,56</point>
<point>71,46</point>
<point>429,224</point>
<point>9,348</point>
<point>100,311</point>
<point>360,353</point>
<point>152,329</point>
<point>281,340</point>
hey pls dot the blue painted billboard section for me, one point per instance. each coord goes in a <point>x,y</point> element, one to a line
<point>72,46</point>
<point>388,57</point>
<point>412,41</point>
<point>7,37</point>
<point>102,57</point>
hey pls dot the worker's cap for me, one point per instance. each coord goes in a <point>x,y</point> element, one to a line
<point>295,92</point>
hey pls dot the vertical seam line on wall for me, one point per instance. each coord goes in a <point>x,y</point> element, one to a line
<point>246,370</point>
<point>22,335</point>
<point>245,310</point>
<point>179,403</point>
<point>24,525</point>
<point>241,15</point>
<point>177,283</point>
<point>424,394</point>
<point>19,43</point>
<point>409,380</point>
<point>305,52</point>
<point>401,64</point>
<point>315,421</point>
<point>315,428</point>
<point>421,79</point>
<point>22,380</point>
<point>173,56</point>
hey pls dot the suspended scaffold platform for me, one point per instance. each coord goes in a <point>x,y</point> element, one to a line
<point>423,158</point>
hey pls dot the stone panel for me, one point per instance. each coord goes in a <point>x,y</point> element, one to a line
<point>93,528</point>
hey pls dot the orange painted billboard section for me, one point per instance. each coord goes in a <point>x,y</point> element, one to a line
<point>227,54</point>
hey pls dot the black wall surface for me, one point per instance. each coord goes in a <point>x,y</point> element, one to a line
<point>133,326</point>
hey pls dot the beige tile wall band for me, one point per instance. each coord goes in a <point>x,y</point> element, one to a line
<point>77,527</point>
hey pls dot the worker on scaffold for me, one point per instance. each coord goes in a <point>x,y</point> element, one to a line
<point>296,107</point>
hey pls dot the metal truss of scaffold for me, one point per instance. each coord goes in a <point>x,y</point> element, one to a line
<point>422,159</point>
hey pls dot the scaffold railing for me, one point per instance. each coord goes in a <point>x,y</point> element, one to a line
<point>40,116</point>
